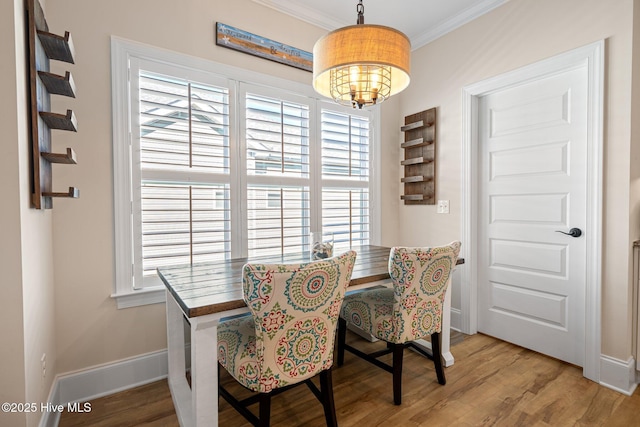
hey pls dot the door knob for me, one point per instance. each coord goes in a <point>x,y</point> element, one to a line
<point>574,232</point>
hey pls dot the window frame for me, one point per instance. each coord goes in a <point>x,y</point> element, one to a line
<point>126,58</point>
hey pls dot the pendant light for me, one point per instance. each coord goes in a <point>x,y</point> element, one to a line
<point>361,65</point>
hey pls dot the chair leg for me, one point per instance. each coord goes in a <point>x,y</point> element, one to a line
<point>326,389</point>
<point>398,350</point>
<point>265,409</point>
<point>437,357</point>
<point>342,338</point>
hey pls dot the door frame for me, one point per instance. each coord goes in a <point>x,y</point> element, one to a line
<point>592,57</point>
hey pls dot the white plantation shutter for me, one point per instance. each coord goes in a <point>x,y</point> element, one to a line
<point>213,162</point>
<point>184,205</point>
<point>345,178</point>
<point>183,125</point>
<point>277,135</point>
<point>183,224</point>
<point>278,194</point>
<point>345,146</point>
<point>278,219</point>
<point>345,213</point>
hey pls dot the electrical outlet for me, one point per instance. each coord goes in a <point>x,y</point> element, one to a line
<point>43,363</point>
<point>443,206</point>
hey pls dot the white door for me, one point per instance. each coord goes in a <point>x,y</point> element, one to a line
<point>533,157</point>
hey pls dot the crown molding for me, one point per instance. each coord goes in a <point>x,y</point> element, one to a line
<point>454,22</point>
<point>328,22</point>
<point>308,14</point>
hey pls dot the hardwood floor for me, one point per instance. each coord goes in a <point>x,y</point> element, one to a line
<point>492,383</point>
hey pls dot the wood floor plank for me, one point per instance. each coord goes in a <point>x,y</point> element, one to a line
<point>492,383</point>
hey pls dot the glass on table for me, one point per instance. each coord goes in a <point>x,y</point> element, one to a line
<point>321,245</point>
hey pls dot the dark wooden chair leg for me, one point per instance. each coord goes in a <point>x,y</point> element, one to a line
<point>398,350</point>
<point>265,409</point>
<point>342,338</point>
<point>326,390</point>
<point>437,357</point>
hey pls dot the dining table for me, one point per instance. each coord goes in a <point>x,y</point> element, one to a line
<point>200,295</point>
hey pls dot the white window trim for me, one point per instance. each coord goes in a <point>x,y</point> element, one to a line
<point>123,52</point>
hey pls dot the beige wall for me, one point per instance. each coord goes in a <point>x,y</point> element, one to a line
<point>514,35</point>
<point>11,322</point>
<point>89,328</point>
<point>389,170</point>
<point>27,314</point>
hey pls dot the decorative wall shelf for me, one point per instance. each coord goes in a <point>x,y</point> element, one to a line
<point>60,121</point>
<point>73,192</point>
<point>412,126</point>
<point>420,158</point>
<point>44,47</point>
<point>418,142</point>
<point>69,158</point>
<point>414,161</point>
<point>417,178</point>
<point>412,197</point>
<point>58,85</point>
<point>56,47</point>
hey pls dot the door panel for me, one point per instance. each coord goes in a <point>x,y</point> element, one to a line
<point>532,114</point>
<point>529,257</point>
<point>539,160</point>
<point>541,208</point>
<point>533,152</point>
<point>529,304</point>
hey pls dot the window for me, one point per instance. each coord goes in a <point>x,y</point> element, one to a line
<point>209,167</point>
<point>278,170</point>
<point>183,140</point>
<point>345,178</point>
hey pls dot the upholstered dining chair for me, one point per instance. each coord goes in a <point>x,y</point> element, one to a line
<point>411,310</point>
<point>289,336</point>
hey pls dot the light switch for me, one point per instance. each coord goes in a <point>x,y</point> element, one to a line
<point>443,206</point>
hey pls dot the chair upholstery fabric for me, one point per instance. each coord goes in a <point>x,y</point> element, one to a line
<point>290,333</point>
<point>413,308</point>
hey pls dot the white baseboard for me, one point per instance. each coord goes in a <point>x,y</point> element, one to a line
<point>104,380</point>
<point>618,375</point>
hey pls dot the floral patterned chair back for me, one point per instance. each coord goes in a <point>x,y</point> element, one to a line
<point>295,310</point>
<point>412,309</point>
<point>420,277</point>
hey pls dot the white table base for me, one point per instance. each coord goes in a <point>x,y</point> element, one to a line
<point>196,406</point>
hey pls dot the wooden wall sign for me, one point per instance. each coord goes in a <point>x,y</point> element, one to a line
<point>244,41</point>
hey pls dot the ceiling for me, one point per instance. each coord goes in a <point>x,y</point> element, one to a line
<point>421,20</point>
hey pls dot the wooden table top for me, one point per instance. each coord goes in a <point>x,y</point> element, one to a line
<point>212,287</point>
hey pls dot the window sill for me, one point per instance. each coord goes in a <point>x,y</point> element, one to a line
<point>154,295</point>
